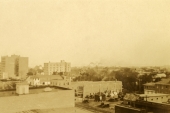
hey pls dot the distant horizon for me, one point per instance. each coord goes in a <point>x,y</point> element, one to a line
<point>87,64</point>
<point>116,32</point>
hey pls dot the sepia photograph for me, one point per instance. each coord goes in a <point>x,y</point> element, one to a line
<point>84,56</point>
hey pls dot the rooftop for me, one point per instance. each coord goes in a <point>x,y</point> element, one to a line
<point>33,90</point>
<point>58,110</point>
<point>149,84</point>
<point>96,81</point>
<point>164,81</point>
<point>47,76</point>
<point>153,95</point>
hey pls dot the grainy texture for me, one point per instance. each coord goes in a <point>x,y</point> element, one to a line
<point>60,99</point>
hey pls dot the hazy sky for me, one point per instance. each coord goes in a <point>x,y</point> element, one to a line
<point>112,32</point>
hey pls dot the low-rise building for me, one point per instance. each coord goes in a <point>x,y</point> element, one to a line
<point>162,86</point>
<point>54,80</point>
<point>157,98</point>
<point>160,75</point>
<point>84,88</point>
<point>149,88</point>
<point>62,83</point>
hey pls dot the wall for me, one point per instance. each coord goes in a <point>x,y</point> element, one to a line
<point>149,91</point>
<point>46,100</point>
<point>23,67</point>
<point>62,83</point>
<point>162,88</point>
<point>158,99</point>
<point>51,67</point>
<point>95,87</point>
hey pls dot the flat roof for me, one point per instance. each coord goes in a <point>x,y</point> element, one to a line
<point>59,110</point>
<point>79,82</point>
<point>22,83</point>
<point>153,95</point>
<point>32,90</point>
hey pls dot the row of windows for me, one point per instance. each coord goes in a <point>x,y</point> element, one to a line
<point>58,65</point>
<point>162,87</point>
<point>158,98</point>
<point>58,68</point>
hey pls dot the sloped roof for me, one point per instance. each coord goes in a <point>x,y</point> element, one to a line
<point>47,77</point>
<point>164,81</point>
<point>149,84</point>
<point>160,75</point>
<point>130,97</point>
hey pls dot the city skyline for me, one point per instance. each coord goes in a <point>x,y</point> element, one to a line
<point>111,32</point>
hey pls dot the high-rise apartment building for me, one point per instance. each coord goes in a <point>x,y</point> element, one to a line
<point>13,66</point>
<point>57,67</point>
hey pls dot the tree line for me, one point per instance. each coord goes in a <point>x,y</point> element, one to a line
<point>131,80</point>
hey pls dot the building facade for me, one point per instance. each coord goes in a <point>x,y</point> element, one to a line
<point>89,87</point>
<point>57,67</point>
<point>53,80</point>
<point>162,86</point>
<point>149,88</point>
<point>157,98</point>
<point>13,66</point>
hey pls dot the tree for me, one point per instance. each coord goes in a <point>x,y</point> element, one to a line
<point>128,78</point>
<point>31,70</point>
<point>54,73</point>
<point>30,73</point>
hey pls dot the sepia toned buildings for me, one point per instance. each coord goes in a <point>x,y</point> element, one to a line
<point>57,67</point>
<point>13,66</point>
<point>53,80</point>
<point>84,88</point>
<point>162,86</point>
